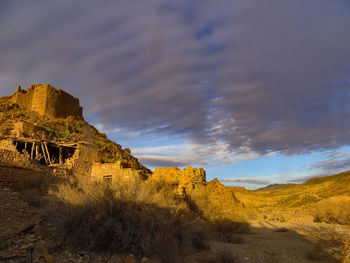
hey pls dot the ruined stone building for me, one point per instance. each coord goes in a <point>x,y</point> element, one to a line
<point>48,101</point>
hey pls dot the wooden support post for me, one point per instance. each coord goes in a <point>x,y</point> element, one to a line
<point>42,148</point>
<point>16,144</point>
<point>60,155</point>
<point>32,151</point>
<point>36,151</point>
<point>25,146</point>
<point>47,153</point>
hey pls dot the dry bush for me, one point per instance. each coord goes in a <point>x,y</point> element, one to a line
<point>145,219</point>
<point>229,231</point>
<point>334,210</point>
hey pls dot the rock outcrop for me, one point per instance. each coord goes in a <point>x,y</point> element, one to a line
<point>175,175</point>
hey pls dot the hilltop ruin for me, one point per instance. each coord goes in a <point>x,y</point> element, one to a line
<point>47,101</point>
<point>43,127</point>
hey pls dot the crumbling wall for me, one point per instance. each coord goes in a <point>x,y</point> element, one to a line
<point>11,158</point>
<point>23,98</point>
<point>188,175</point>
<point>113,171</point>
<point>39,101</point>
<point>27,130</point>
<point>82,161</point>
<point>46,100</point>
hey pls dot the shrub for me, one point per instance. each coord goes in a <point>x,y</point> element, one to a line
<point>229,231</point>
<point>125,217</point>
<point>317,219</point>
<point>334,210</point>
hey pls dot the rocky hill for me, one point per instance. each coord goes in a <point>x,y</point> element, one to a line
<point>44,126</point>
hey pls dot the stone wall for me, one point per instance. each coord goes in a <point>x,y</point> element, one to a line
<point>113,171</point>
<point>175,175</point>
<point>82,161</point>
<point>23,129</point>
<point>48,101</point>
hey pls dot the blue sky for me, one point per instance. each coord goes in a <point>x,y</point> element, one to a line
<point>256,92</point>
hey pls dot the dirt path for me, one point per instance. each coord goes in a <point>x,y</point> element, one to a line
<point>285,242</point>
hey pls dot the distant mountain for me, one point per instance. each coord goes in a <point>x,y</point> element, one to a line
<point>274,187</point>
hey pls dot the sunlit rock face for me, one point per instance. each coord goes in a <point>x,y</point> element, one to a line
<point>175,175</point>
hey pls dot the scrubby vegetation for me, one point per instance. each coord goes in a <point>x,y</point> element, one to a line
<point>145,218</point>
<point>334,210</point>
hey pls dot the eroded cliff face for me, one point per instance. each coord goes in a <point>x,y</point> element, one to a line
<point>188,175</point>
<point>212,199</point>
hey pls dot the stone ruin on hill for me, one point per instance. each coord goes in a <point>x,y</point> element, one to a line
<point>47,101</point>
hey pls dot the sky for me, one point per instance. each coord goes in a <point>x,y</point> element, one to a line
<point>255,91</point>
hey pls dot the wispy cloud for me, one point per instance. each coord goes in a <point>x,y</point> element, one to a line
<point>237,78</point>
<point>255,181</point>
<point>191,153</point>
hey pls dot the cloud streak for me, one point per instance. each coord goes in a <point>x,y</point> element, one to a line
<point>257,181</point>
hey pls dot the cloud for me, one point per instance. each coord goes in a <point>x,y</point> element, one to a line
<point>246,77</point>
<point>162,161</point>
<point>258,181</point>
<point>332,165</point>
<point>190,153</point>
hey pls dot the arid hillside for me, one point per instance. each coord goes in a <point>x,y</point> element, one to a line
<point>319,199</point>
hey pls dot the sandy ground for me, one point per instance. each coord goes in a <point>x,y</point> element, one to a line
<point>271,241</point>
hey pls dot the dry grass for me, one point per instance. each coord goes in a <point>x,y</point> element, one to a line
<point>334,210</point>
<point>130,216</point>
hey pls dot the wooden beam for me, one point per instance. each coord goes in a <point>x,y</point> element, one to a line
<point>42,148</point>
<point>60,155</point>
<point>32,151</point>
<point>36,151</point>
<point>48,154</point>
